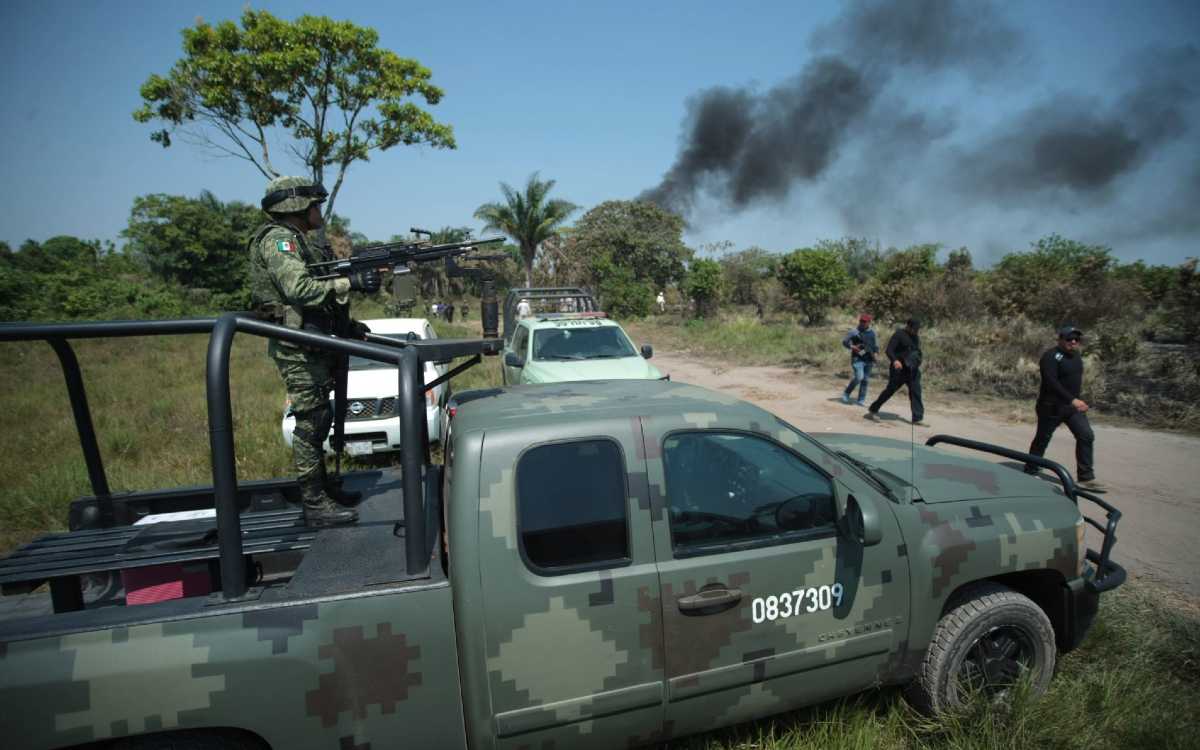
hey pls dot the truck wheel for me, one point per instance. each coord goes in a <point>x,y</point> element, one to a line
<point>989,638</point>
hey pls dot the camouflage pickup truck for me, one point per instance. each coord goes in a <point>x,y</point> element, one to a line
<point>595,565</point>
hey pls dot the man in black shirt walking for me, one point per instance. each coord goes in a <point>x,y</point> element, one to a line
<point>1058,402</point>
<point>904,358</point>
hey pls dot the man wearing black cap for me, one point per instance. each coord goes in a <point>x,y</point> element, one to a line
<point>904,355</point>
<point>1058,402</point>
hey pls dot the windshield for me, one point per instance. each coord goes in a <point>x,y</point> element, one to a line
<point>359,363</point>
<point>864,470</point>
<point>600,342</point>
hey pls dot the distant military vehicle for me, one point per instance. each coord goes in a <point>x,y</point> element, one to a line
<point>595,565</point>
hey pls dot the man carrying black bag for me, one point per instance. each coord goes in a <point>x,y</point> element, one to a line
<point>904,358</point>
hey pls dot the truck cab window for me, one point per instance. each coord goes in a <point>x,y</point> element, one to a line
<point>725,488</point>
<point>571,507</point>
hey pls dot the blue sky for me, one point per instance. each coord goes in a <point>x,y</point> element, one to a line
<point>594,95</point>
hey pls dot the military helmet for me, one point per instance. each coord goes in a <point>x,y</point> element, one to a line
<point>286,195</point>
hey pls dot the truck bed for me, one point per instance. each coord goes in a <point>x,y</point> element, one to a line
<point>303,563</point>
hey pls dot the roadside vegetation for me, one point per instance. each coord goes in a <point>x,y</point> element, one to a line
<point>1134,683</point>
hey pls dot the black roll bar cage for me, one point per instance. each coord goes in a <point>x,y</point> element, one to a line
<point>585,301</point>
<point>1109,574</point>
<point>407,355</point>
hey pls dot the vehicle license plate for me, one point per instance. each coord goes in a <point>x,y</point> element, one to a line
<point>359,449</point>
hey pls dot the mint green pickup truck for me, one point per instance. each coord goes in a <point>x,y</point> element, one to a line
<point>557,347</point>
<point>559,334</point>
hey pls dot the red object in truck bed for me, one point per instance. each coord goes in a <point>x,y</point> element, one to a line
<point>160,583</point>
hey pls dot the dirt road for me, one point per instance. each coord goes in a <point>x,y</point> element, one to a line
<point>1154,476</point>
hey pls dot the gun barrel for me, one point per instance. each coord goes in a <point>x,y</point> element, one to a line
<point>394,253</point>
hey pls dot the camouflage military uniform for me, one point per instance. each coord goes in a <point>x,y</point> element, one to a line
<point>283,291</point>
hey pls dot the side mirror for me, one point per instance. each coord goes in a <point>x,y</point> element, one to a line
<point>860,522</point>
<point>512,359</point>
<point>647,351</point>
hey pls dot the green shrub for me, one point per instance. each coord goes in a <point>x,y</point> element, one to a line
<point>704,285</point>
<point>816,279</point>
<point>1183,303</point>
<point>621,293</point>
<point>902,284</point>
<point>1061,280</point>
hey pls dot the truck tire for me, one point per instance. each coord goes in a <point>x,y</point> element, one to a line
<point>988,638</point>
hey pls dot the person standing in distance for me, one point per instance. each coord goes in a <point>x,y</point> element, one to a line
<point>904,358</point>
<point>284,292</point>
<point>523,309</point>
<point>1058,403</point>
<point>863,347</point>
<point>661,301</point>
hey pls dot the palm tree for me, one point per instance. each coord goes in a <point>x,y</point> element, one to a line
<point>527,217</point>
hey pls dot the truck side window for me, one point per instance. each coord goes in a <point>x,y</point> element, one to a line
<point>725,487</point>
<point>571,507</point>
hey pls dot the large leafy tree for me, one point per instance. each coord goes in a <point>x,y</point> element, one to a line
<point>321,88</point>
<point>529,217</point>
<point>197,242</point>
<point>637,235</point>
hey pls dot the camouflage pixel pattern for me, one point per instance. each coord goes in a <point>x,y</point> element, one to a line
<point>327,674</point>
<point>558,660</point>
<point>279,279</point>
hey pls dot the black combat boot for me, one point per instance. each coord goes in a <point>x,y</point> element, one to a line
<point>320,510</point>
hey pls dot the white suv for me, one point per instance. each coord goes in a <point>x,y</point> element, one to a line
<point>372,416</point>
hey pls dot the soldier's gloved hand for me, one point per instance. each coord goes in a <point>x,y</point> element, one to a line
<point>366,280</point>
<point>359,330</point>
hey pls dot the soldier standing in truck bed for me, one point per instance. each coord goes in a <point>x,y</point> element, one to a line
<point>284,292</point>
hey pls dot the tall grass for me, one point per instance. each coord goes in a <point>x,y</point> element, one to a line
<point>1134,683</point>
<point>147,400</point>
<point>148,405</point>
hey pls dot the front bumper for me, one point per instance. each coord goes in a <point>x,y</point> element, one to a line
<point>368,436</point>
<point>1081,599</point>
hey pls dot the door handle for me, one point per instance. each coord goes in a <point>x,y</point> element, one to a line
<point>710,601</point>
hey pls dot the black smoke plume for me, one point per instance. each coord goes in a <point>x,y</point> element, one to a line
<point>745,147</point>
<point>742,146</point>
<point>853,123</point>
<point>1084,145</point>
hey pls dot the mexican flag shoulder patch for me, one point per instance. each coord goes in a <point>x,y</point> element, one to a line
<point>286,246</point>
